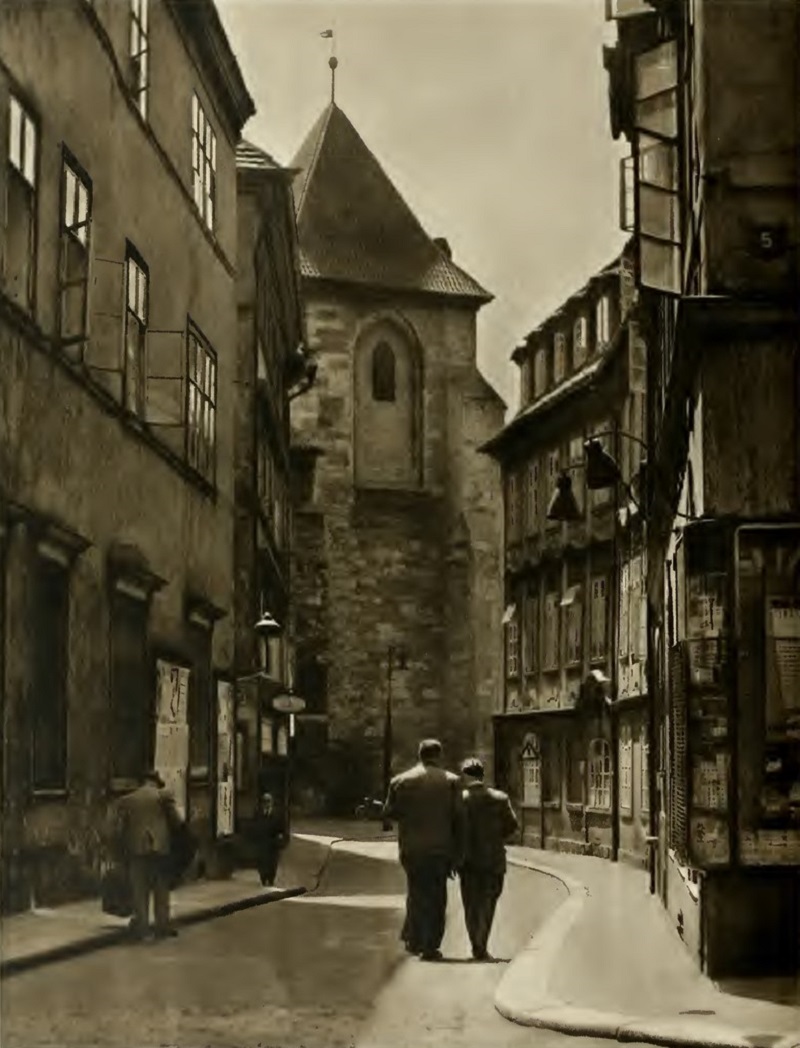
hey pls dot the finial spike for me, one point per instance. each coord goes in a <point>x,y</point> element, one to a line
<point>333,63</point>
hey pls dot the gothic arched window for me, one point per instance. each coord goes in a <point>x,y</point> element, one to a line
<point>383,372</point>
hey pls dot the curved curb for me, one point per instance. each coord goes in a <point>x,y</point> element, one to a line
<point>528,975</point>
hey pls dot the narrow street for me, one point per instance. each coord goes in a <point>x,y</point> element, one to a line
<point>325,971</point>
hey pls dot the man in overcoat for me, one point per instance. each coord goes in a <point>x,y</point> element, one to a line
<point>490,821</point>
<point>147,819</point>
<point>427,806</point>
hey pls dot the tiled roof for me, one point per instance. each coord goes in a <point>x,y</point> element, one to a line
<point>253,158</point>
<point>354,226</point>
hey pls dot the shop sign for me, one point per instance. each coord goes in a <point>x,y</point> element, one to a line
<point>770,847</point>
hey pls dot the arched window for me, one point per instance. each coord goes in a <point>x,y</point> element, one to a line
<point>599,774</point>
<point>383,372</point>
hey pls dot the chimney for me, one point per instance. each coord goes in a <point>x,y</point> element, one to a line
<point>443,245</point>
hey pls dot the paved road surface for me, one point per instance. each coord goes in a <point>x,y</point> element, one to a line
<point>326,971</point>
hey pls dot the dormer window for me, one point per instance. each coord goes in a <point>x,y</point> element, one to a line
<point>559,357</point>
<point>603,321</point>
<point>580,342</point>
<point>539,372</point>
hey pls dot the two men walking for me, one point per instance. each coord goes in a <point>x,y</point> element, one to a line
<point>444,829</point>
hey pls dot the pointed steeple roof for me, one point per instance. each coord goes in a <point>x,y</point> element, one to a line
<point>354,226</point>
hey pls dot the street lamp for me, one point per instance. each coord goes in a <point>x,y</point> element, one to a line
<point>396,658</point>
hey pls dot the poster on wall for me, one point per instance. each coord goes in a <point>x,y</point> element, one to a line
<point>710,840</point>
<point>171,758</point>
<point>226,749</point>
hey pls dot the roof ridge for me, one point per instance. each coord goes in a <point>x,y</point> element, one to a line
<point>317,148</point>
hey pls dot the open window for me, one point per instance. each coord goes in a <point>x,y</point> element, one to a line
<point>73,271</point>
<point>136,310</point>
<point>19,257</point>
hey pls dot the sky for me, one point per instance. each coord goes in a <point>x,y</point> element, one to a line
<point>490,117</point>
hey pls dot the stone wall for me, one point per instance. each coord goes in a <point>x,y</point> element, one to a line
<point>414,566</point>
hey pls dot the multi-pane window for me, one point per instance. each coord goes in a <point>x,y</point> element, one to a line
<point>383,372</point>
<point>551,616</point>
<point>539,372</point>
<point>576,756</point>
<point>553,470</point>
<point>599,607</point>
<point>573,625</point>
<point>559,357</point>
<point>137,303</point>
<point>512,508</point>
<point>19,260</point>
<point>577,470</point>
<point>531,772</point>
<point>531,635</point>
<point>580,342</point>
<point>139,55</point>
<point>599,774</point>
<point>131,686</point>
<point>603,321</point>
<point>76,214</point>
<point>204,163</point>
<point>625,769</point>
<point>49,633</point>
<point>532,510</point>
<point>512,647</point>
<point>644,782</point>
<point>201,422</point>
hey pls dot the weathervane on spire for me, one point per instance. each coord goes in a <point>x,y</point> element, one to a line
<point>333,62</point>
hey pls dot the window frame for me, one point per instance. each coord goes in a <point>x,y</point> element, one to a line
<point>580,343</point>
<point>27,182</point>
<point>598,598</point>
<point>560,367</point>
<point>72,243</point>
<point>512,508</point>
<point>204,164</point>
<point>626,770</point>
<point>551,620</point>
<point>199,435</point>
<point>512,647</point>
<point>531,633</point>
<point>532,781</point>
<point>134,262</point>
<point>599,775</point>
<point>139,36</point>
<point>603,320</point>
<point>644,772</point>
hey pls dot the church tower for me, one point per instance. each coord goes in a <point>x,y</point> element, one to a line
<point>397,516</point>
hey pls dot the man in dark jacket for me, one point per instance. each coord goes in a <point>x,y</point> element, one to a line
<point>147,818</point>
<point>490,821</point>
<point>270,837</point>
<point>426,803</point>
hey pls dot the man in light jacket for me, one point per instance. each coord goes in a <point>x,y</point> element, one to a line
<point>490,821</point>
<point>147,817</point>
<point>427,806</point>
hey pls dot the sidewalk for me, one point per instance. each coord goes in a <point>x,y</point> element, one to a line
<point>41,936</point>
<point>607,964</point>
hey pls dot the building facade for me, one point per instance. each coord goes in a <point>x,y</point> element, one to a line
<point>118,336</point>
<point>571,741</point>
<point>706,93</point>
<point>272,367</point>
<point>397,516</point>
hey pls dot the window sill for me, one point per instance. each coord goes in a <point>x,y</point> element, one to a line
<point>591,810</point>
<point>49,793</point>
<point>200,775</point>
<point>120,785</point>
<point>575,806</point>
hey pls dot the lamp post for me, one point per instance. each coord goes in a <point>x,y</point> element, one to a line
<point>396,658</point>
